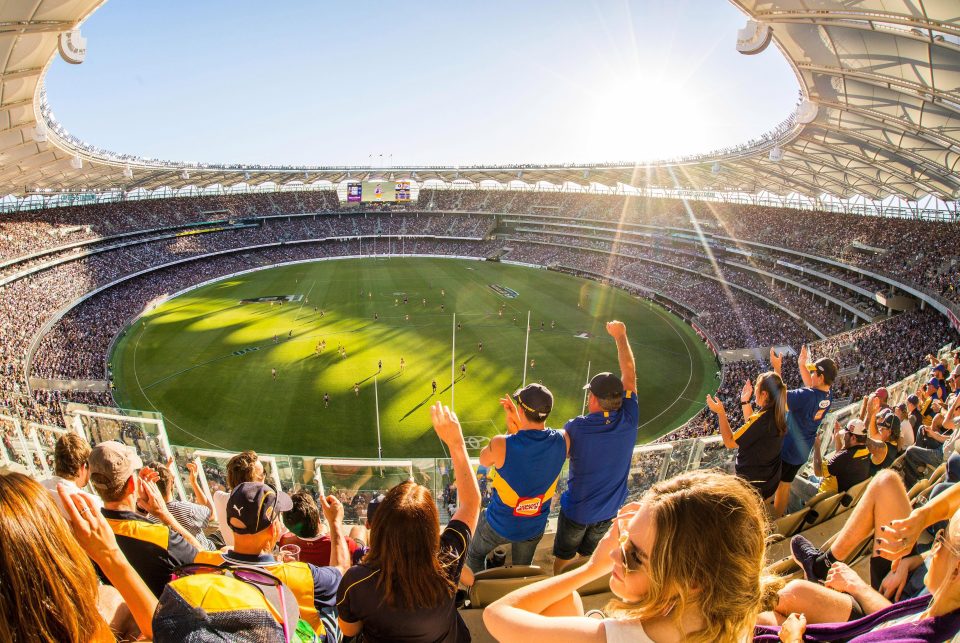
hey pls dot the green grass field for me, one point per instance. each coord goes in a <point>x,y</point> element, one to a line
<point>204,359</point>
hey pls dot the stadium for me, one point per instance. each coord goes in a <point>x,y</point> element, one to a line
<point>316,314</point>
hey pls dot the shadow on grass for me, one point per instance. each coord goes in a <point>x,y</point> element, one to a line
<point>413,410</point>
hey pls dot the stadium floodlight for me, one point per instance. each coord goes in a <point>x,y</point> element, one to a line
<point>40,133</point>
<point>76,162</point>
<point>776,154</point>
<point>128,172</point>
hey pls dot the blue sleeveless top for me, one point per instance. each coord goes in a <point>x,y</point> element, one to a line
<point>526,483</point>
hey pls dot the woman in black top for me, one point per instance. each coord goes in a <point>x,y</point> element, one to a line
<point>404,589</point>
<point>759,440</point>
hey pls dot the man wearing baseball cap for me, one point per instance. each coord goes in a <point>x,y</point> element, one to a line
<point>806,408</point>
<point>154,550</point>
<point>601,448</point>
<point>528,461</point>
<point>253,513</point>
<point>847,466</point>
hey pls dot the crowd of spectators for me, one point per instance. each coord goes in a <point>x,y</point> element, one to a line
<point>642,259</point>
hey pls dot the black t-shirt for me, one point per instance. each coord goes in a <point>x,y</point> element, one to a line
<point>360,599</point>
<point>887,459</point>
<point>758,452</point>
<point>849,466</point>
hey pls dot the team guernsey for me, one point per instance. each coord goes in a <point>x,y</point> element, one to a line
<point>758,455</point>
<point>806,408</point>
<point>601,448</point>
<point>526,483</point>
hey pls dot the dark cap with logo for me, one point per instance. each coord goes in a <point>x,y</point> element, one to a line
<point>825,367</point>
<point>536,399</point>
<point>605,386</point>
<point>253,506</point>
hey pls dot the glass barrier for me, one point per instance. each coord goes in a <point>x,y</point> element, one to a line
<point>356,482</point>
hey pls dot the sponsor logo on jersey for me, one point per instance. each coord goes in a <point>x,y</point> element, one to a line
<point>528,506</point>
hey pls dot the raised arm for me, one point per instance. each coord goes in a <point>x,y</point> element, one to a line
<point>151,499</point>
<point>628,367</point>
<point>447,426</point>
<point>198,492</point>
<point>802,360</point>
<point>96,538</point>
<point>339,551</point>
<point>715,405</point>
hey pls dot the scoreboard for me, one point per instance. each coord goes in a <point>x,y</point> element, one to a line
<point>378,192</point>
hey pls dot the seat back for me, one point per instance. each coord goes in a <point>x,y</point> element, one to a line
<point>492,584</point>
<point>824,509</point>
<point>787,526</point>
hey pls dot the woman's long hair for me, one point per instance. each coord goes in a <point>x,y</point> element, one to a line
<point>48,590</point>
<point>708,556</point>
<point>777,398</point>
<point>405,545</point>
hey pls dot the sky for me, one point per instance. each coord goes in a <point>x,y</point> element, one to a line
<point>301,82</point>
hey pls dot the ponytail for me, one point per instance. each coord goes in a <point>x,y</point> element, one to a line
<point>777,398</point>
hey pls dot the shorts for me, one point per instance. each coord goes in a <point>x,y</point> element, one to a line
<point>574,538</point>
<point>789,471</point>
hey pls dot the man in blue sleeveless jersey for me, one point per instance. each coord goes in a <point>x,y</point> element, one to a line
<point>528,461</point>
<point>601,448</point>
<point>806,408</point>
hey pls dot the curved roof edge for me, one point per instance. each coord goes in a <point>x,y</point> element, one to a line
<point>867,128</point>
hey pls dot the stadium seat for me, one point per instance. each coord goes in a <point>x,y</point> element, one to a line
<point>786,526</point>
<point>491,584</point>
<point>822,507</point>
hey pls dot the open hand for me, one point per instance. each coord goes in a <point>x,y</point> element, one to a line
<point>446,424</point>
<point>89,526</point>
<point>715,405</point>
<point>776,360</point>
<point>900,536</point>
<point>746,393</point>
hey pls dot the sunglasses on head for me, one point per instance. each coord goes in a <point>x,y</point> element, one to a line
<point>255,577</point>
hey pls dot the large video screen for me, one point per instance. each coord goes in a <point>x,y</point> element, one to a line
<point>379,192</point>
<point>353,192</point>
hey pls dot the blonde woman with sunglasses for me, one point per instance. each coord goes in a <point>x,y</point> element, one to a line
<point>685,562</point>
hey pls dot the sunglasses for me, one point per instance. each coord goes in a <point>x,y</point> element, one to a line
<point>253,577</point>
<point>631,562</point>
<point>941,540</point>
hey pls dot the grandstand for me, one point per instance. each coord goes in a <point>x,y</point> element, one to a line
<point>837,230</point>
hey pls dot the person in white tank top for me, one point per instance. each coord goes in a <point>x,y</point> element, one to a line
<point>685,564</point>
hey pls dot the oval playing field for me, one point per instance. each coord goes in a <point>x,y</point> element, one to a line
<point>206,359</point>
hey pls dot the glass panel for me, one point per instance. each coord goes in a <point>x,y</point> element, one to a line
<point>646,468</point>
<point>716,456</point>
<point>679,457</point>
<point>16,448</point>
<point>356,482</point>
<point>46,440</point>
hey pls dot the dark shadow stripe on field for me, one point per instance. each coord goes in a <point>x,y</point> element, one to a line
<point>411,411</point>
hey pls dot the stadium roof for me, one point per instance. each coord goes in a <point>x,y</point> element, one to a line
<point>880,115</point>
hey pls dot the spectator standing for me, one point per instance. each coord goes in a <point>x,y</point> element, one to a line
<point>528,461</point>
<point>806,408</point>
<point>243,467</point>
<point>154,550</point>
<point>70,469</point>
<point>254,516</point>
<point>306,531</point>
<point>929,447</point>
<point>760,439</point>
<point>405,587</point>
<point>601,450</point>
